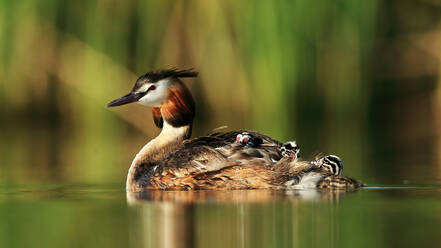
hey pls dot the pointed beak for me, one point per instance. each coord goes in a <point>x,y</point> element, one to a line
<point>129,98</point>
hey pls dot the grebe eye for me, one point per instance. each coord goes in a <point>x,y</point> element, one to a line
<point>152,88</point>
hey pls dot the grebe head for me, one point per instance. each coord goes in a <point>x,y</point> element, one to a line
<point>331,163</point>
<point>290,149</point>
<point>162,90</point>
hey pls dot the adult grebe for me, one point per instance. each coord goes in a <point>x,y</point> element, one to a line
<point>221,160</point>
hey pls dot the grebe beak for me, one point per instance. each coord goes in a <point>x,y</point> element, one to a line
<point>129,98</point>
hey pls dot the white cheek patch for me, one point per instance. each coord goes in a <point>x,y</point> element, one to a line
<point>149,101</point>
<point>154,98</point>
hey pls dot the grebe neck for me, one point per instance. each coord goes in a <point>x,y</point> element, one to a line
<point>169,139</point>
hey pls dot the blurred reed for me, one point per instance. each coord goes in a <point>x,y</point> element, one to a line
<point>292,69</point>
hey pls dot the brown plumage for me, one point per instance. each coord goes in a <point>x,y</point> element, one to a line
<point>179,108</point>
<point>214,161</point>
<point>157,117</point>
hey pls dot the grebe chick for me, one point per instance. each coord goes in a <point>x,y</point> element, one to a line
<point>173,161</point>
<point>334,165</point>
<point>331,163</point>
<point>246,139</point>
<point>322,172</point>
<point>290,149</point>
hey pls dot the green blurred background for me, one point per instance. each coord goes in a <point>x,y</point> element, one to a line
<point>359,79</point>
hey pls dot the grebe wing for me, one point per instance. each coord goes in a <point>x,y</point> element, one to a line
<point>217,151</point>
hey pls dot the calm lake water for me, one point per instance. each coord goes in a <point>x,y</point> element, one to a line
<point>96,216</point>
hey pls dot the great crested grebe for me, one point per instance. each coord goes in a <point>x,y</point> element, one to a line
<point>221,160</point>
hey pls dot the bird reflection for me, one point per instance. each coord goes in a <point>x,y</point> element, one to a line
<point>232,218</point>
<point>233,196</point>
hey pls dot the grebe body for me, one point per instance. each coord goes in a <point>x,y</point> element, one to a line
<point>221,160</point>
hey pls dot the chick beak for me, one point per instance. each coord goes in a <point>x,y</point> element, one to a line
<point>128,98</point>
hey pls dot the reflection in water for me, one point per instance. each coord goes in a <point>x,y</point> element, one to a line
<point>162,225</point>
<point>254,218</point>
<point>231,196</point>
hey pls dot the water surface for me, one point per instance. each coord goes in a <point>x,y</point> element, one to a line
<point>97,216</point>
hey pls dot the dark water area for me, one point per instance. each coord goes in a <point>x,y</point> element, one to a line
<point>97,216</point>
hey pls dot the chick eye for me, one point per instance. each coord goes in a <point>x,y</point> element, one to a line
<point>151,88</point>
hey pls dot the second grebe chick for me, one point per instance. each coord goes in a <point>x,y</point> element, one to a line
<point>290,149</point>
